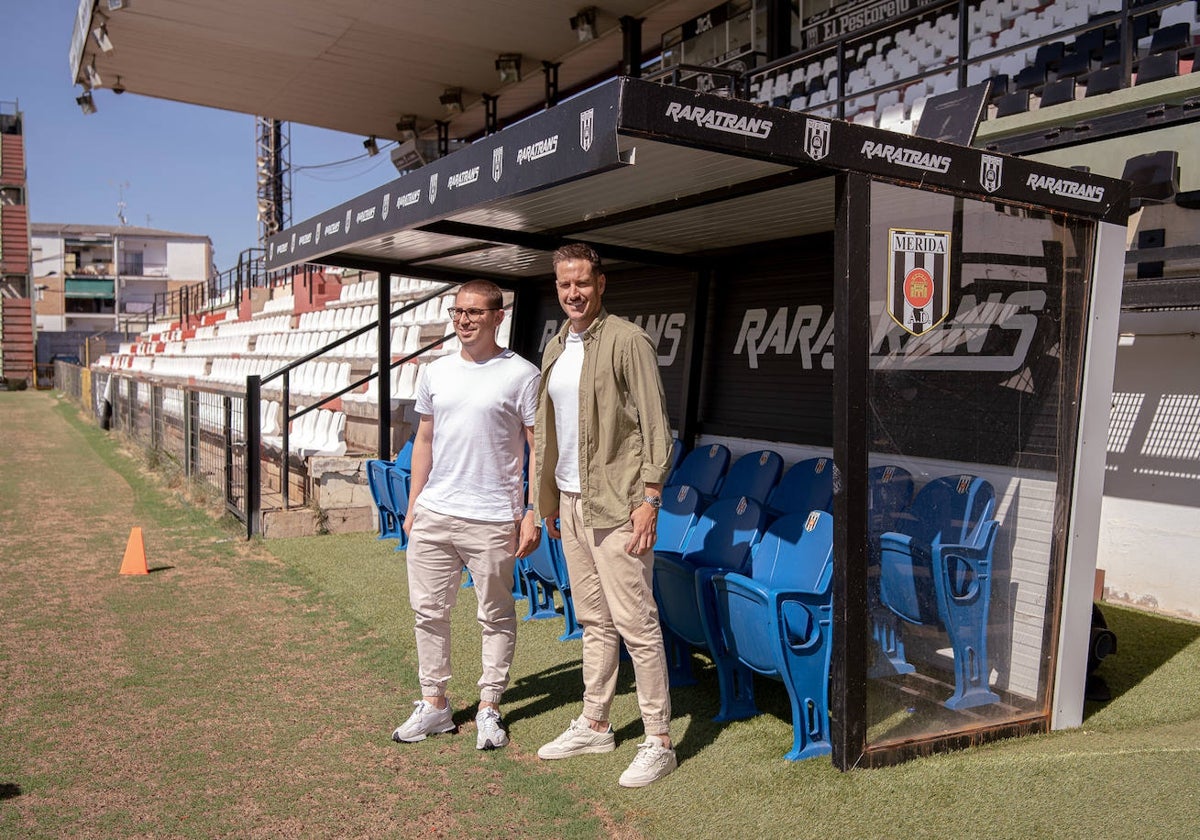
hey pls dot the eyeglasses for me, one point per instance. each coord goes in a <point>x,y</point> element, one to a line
<point>456,312</point>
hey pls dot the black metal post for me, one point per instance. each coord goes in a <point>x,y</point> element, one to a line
<point>631,50</point>
<point>491,120</point>
<point>385,365</point>
<point>550,71</point>
<point>156,415</point>
<point>964,34</point>
<point>523,337</point>
<point>851,347</point>
<point>694,372</point>
<point>1128,44</point>
<point>253,455</point>
<point>443,137</point>
<point>192,442</point>
<point>779,29</point>
<point>841,79</point>
<point>285,465</point>
<point>227,428</point>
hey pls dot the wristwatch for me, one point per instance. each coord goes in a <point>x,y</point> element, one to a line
<point>654,501</point>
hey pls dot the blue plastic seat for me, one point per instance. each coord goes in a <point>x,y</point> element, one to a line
<point>889,493</point>
<point>545,572</point>
<point>403,459</point>
<point>778,621</point>
<point>679,513</point>
<point>381,495</point>
<point>935,570</point>
<point>703,469</point>
<point>720,541</point>
<point>754,476</point>
<point>398,483</point>
<point>805,487</point>
<point>676,458</point>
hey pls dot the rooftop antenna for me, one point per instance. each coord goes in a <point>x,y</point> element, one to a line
<point>121,202</point>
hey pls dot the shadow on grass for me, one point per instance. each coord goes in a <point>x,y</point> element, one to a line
<point>8,790</point>
<point>543,692</point>
<point>1145,643</point>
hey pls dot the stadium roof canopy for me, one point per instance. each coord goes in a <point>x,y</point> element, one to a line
<point>356,65</point>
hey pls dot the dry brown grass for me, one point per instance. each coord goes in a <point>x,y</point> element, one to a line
<point>213,697</point>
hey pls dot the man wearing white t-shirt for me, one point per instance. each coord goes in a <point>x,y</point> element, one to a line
<point>466,508</point>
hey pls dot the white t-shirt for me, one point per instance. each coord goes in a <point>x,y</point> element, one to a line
<point>564,394</point>
<point>480,411</point>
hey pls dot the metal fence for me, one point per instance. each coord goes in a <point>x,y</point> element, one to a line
<point>210,434</point>
<point>202,432</point>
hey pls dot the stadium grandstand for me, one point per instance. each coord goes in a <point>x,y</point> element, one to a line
<point>754,174</point>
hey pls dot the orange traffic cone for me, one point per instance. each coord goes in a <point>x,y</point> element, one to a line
<point>135,555</point>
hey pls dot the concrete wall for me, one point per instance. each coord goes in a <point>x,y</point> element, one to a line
<point>1150,530</point>
<point>188,260</point>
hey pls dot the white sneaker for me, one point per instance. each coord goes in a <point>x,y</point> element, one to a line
<point>490,735</point>
<point>652,762</point>
<point>579,739</point>
<point>425,720</point>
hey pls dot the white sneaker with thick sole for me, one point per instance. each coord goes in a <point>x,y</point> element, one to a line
<point>579,739</point>
<point>652,762</point>
<point>490,735</point>
<point>425,720</point>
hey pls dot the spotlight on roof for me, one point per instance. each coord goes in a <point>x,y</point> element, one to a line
<point>100,33</point>
<point>117,5</point>
<point>509,67</point>
<point>93,76</point>
<point>86,103</point>
<point>371,146</point>
<point>451,100</point>
<point>584,24</point>
<point>407,126</point>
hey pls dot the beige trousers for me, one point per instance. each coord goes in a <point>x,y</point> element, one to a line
<point>614,600</point>
<point>438,548</point>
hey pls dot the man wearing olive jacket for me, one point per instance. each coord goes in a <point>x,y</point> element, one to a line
<point>603,450</point>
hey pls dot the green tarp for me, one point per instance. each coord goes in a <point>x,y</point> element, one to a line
<point>79,288</point>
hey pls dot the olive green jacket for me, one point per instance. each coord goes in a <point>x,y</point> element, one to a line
<point>624,432</point>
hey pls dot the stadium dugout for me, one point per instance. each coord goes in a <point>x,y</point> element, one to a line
<point>816,286</point>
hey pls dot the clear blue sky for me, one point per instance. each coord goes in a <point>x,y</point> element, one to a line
<point>179,167</point>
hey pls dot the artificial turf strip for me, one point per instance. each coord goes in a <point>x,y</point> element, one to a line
<point>248,691</point>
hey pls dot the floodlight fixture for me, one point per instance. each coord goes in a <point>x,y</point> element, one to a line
<point>118,88</point>
<point>117,5</point>
<point>100,33</point>
<point>93,76</point>
<point>407,126</point>
<point>86,103</point>
<point>509,67</point>
<point>451,100</point>
<point>584,24</point>
<point>409,155</point>
<point>371,146</point>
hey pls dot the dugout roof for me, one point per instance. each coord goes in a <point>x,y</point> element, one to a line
<point>653,174</point>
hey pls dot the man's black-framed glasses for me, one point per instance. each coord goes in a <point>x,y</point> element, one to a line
<point>456,312</point>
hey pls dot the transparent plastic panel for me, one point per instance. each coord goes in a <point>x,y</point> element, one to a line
<point>977,316</point>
